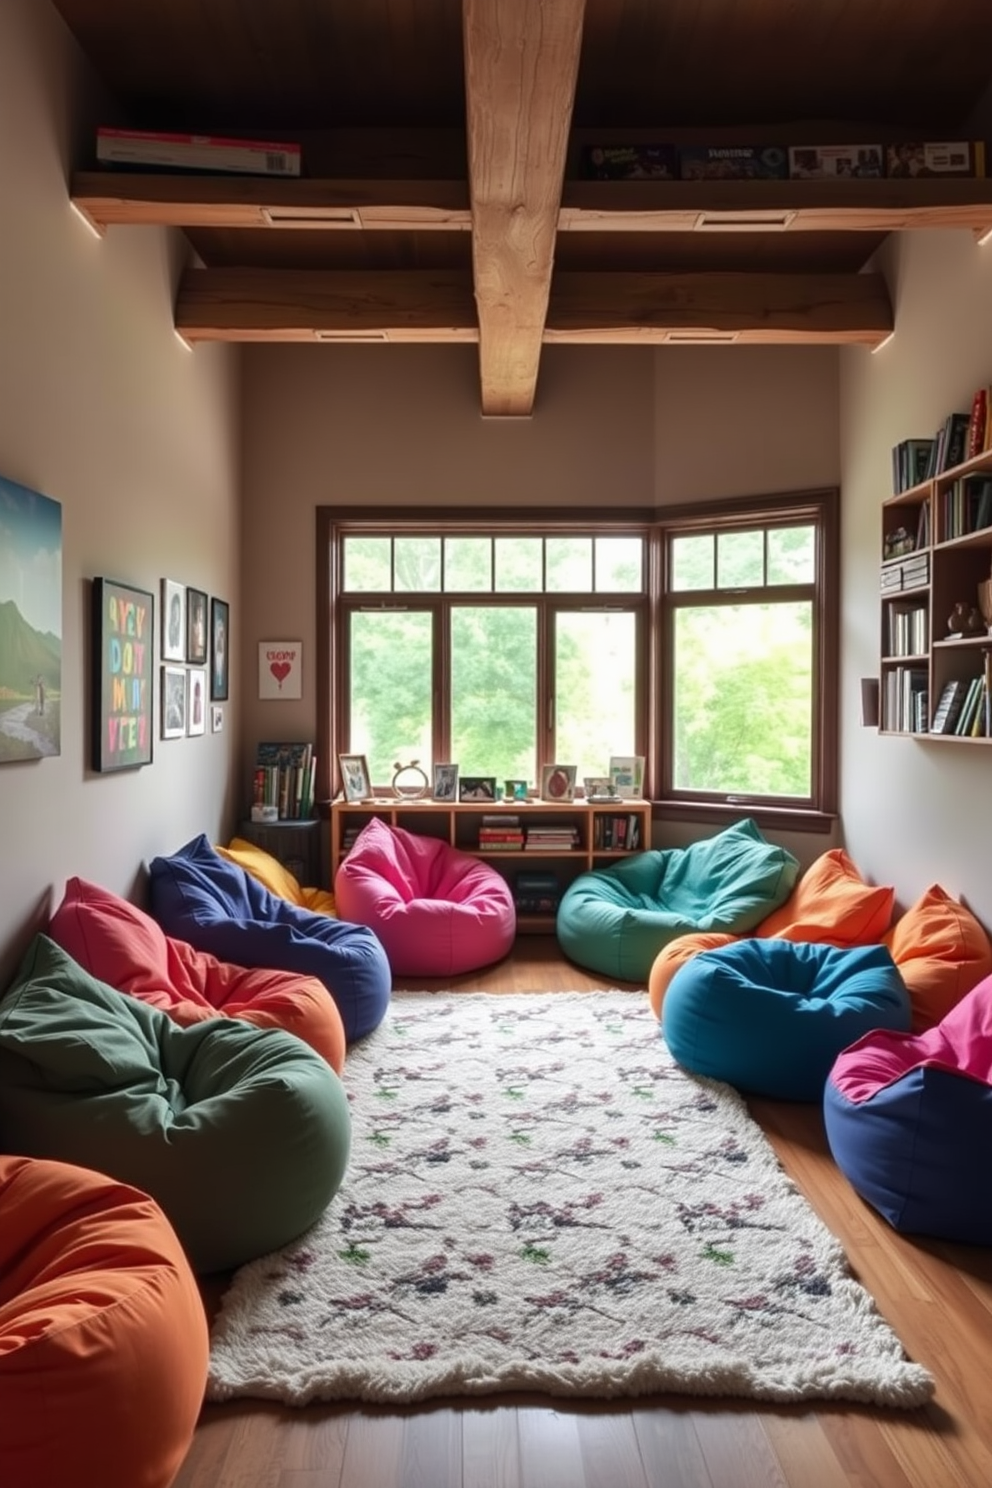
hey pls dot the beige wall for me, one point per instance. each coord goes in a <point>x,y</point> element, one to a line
<point>914,813</point>
<point>103,410</point>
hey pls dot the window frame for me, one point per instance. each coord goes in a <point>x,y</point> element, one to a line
<point>656,634</point>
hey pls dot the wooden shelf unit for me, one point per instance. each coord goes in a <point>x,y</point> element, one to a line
<point>956,565</point>
<point>457,823</point>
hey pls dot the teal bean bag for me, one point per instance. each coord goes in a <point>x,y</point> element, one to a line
<point>241,1134</point>
<point>771,1016</point>
<point>615,920</point>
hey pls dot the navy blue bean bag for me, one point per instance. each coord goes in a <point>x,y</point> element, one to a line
<point>771,1016</point>
<point>214,905</point>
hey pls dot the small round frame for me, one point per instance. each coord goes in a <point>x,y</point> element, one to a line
<point>410,781</point>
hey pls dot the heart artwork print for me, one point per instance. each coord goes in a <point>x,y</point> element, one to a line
<point>280,669</point>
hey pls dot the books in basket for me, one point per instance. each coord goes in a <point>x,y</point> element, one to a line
<point>148,150</point>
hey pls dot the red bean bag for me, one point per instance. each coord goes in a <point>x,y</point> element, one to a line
<point>437,911</point>
<point>103,1336</point>
<point>121,945</point>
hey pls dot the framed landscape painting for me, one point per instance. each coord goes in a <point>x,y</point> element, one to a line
<point>30,624</point>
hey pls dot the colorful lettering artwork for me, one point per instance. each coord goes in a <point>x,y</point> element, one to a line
<point>123,651</point>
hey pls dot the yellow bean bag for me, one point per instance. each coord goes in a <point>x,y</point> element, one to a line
<point>103,1336</point>
<point>275,877</point>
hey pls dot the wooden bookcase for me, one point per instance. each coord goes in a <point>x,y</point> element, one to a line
<point>458,824</point>
<point>945,567</point>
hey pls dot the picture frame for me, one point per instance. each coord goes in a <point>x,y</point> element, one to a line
<point>599,788</point>
<point>355,783</point>
<point>445,782</point>
<point>558,782</point>
<point>31,647</point>
<point>477,788</point>
<point>173,706</point>
<point>173,643</point>
<point>196,700</point>
<point>516,790</point>
<point>122,641</point>
<point>280,669</point>
<point>216,719</point>
<point>627,775</point>
<point>220,672</point>
<point>196,626</point>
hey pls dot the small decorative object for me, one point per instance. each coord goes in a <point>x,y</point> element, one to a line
<point>599,788</point>
<point>196,627</point>
<point>220,616</point>
<point>173,702</point>
<point>964,620</point>
<point>898,543</point>
<point>985,602</point>
<point>122,705</point>
<point>196,700</point>
<point>446,782</point>
<point>558,782</point>
<point>355,777</point>
<point>627,775</point>
<point>477,788</point>
<point>515,790</point>
<point>173,620</point>
<point>280,669</point>
<point>410,781</point>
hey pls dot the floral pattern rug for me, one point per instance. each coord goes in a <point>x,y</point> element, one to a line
<point>540,1199</point>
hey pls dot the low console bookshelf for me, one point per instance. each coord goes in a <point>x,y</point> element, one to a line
<point>948,562</point>
<point>594,822</point>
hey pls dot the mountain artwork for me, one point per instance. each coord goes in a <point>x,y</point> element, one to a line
<point>30,624</point>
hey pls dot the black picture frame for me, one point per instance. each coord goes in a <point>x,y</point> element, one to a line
<point>477,788</point>
<point>196,627</point>
<point>220,633</point>
<point>122,691</point>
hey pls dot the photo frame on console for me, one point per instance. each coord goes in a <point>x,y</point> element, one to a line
<point>355,781</point>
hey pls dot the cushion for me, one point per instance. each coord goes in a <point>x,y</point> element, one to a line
<point>241,1134</point>
<point>942,951</point>
<point>103,1337</point>
<point>214,905</point>
<point>771,1016</point>
<point>437,911</point>
<point>275,876</point>
<point>121,945</point>
<point>832,903</point>
<point>615,920</point>
<point>908,1118</point>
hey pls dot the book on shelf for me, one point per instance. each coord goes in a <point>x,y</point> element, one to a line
<point>978,422</point>
<point>145,150</point>
<point>915,160</point>
<point>910,462</point>
<point>969,707</point>
<point>285,775</point>
<point>949,707</point>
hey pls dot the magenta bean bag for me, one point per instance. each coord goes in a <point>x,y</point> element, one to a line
<point>437,911</point>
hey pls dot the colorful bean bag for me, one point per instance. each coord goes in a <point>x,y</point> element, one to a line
<point>121,945</point>
<point>241,1134</point>
<point>103,1336</point>
<point>942,951</point>
<point>216,906</point>
<point>831,903</point>
<point>275,876</point>
<point>437,911</point>
<point>771,1016</point>
<point>909,1122</point>
<point>615,920</point>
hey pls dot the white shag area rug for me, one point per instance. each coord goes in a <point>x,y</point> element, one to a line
<point>540,1199</point>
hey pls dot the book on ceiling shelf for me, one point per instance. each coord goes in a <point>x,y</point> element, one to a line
<point>149,150</point>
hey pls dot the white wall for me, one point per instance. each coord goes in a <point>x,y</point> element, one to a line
<point>104,411</point>
<point>915,813</point>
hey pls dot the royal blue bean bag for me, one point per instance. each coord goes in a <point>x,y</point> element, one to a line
<point>214,905</point>
<point>771,1016</point>
<point>909,1122</point>
<point>615,920</point>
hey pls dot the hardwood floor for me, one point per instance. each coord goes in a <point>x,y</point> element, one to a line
<point>937,1297</point>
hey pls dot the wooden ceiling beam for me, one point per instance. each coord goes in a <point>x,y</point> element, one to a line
<point>521,67</point>
<point>586,308</point>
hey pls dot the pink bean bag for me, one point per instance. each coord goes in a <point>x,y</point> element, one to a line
<point>121,945</point>
<point>436,910</point>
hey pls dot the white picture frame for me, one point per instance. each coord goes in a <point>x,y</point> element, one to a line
<point>558,782</point>
<point>445,782</point>
<point>173,714</point>
<point>173,621</point>
<point>196,700</point>
<point>627,775</point>
<point>280,670</point>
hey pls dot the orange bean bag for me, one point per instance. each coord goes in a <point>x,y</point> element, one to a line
<point>103,1336</point>
<point>942,952</point>
<point>121,945</point>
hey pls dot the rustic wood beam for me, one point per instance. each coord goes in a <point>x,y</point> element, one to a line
<point>521,65</point>
<point>608,308</point>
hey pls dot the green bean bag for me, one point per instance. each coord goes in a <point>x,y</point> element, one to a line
<point>615,920</point>
<point>241,1134</point>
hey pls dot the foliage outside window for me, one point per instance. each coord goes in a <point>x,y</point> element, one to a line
<point>702,639</point>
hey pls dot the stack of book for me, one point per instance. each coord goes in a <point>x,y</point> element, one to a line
<point>536,893</point>
<point>551,839</point>
<point>501,833</point>
<point>284,779</point>
<point>907,573</point>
